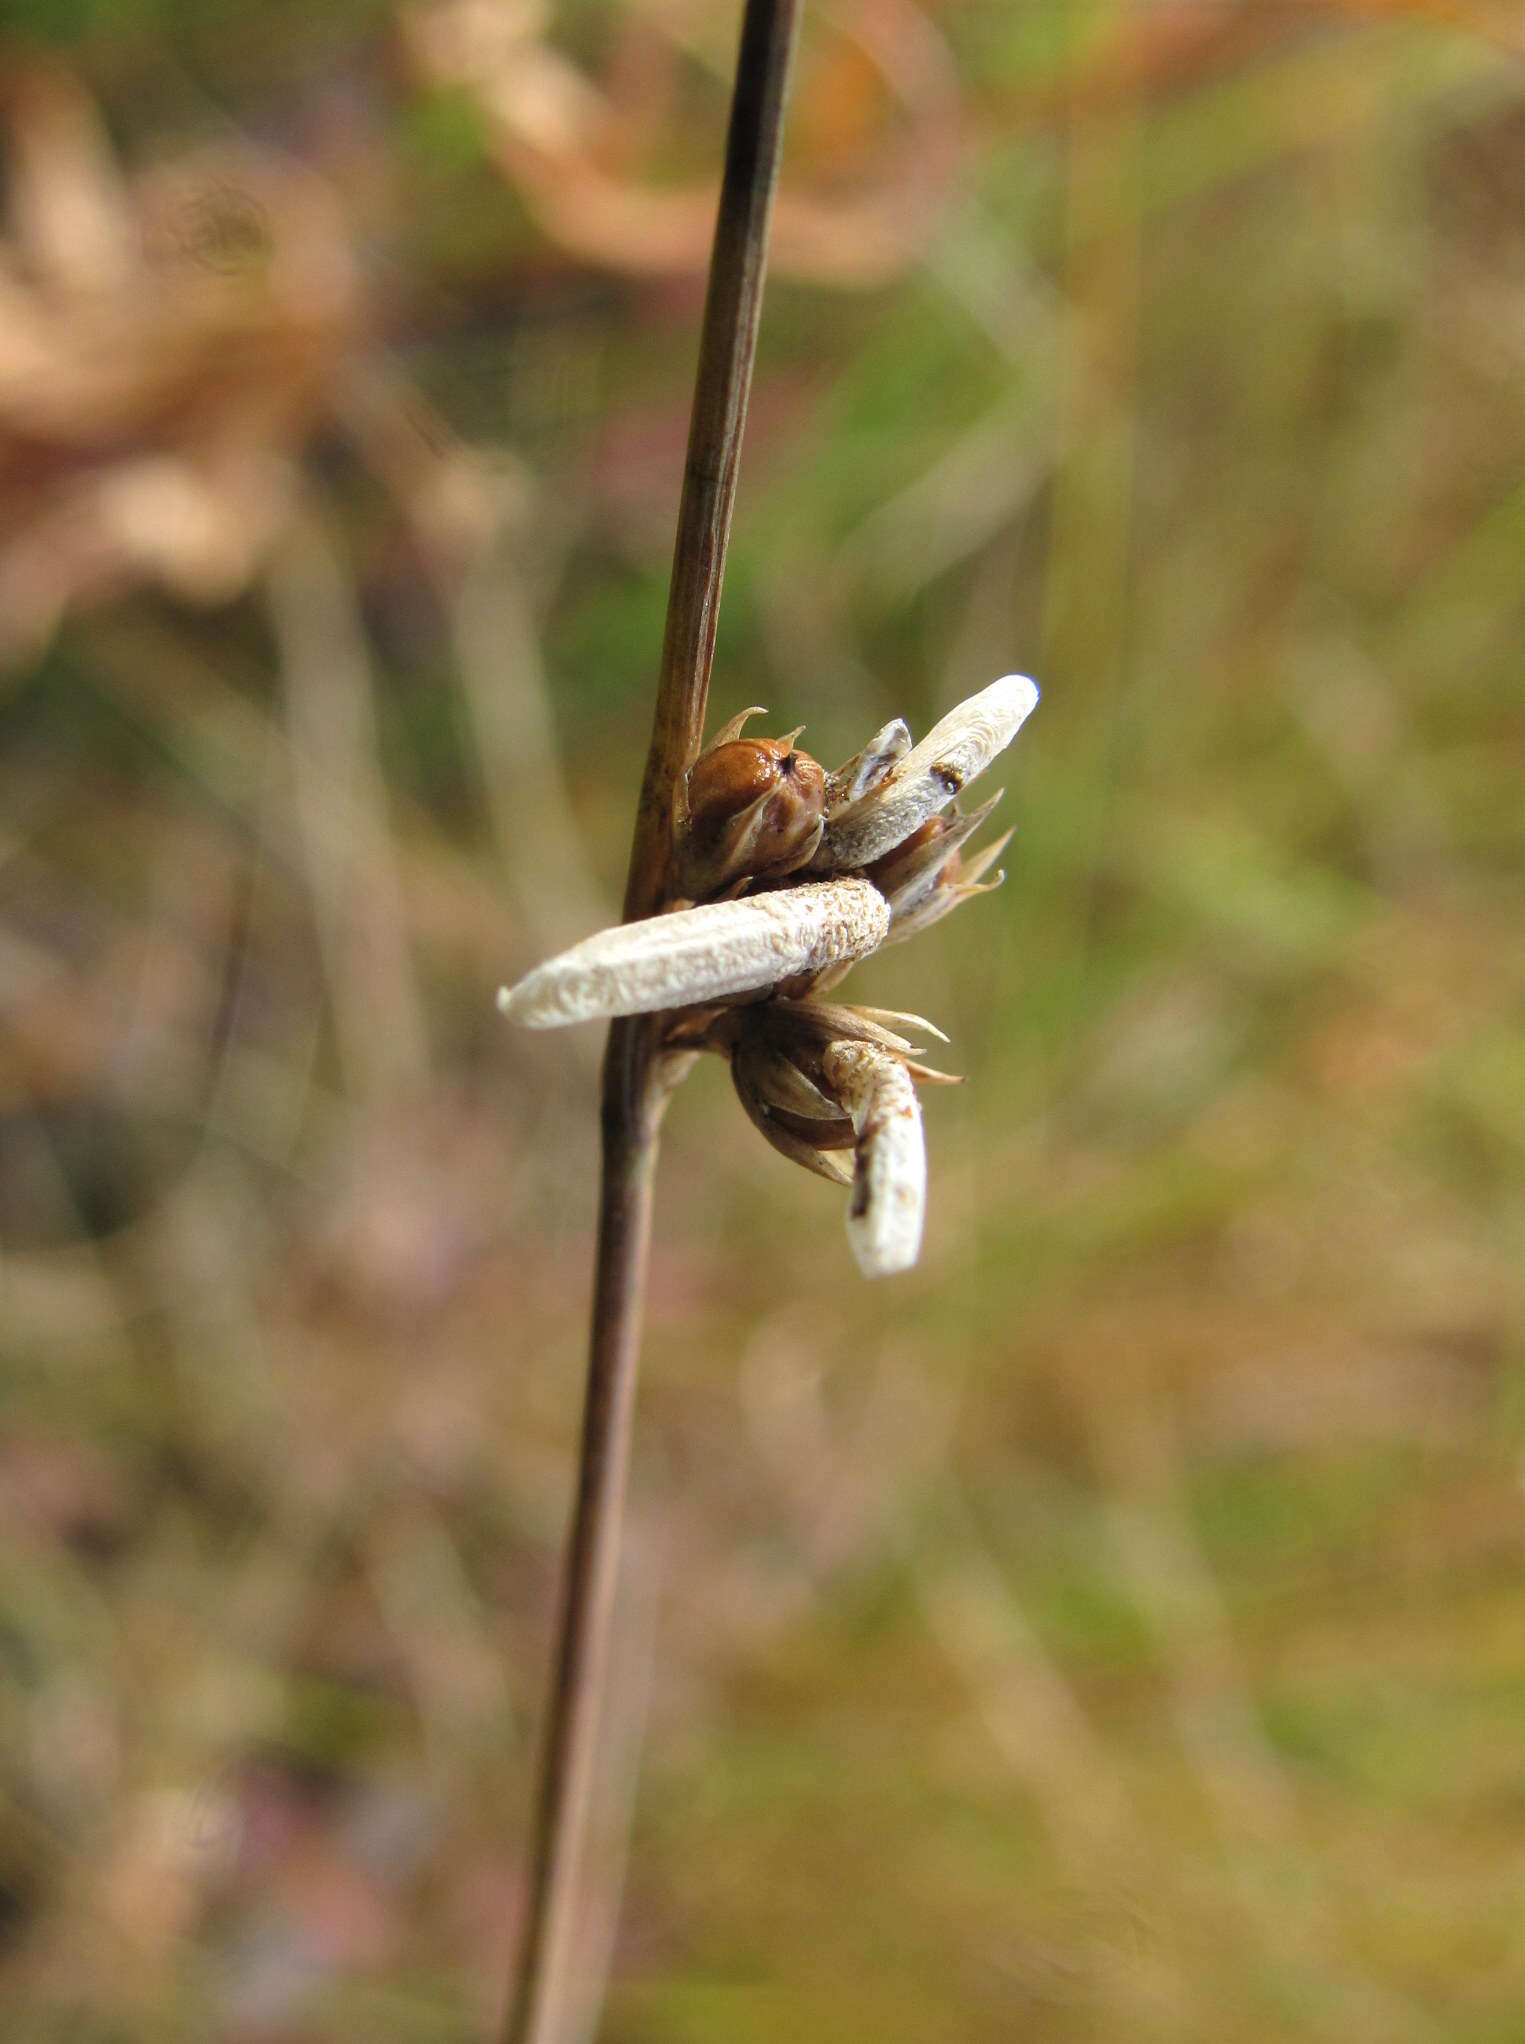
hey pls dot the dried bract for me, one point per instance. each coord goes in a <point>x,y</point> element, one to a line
<point>167,342</point>
<point>956,879</point>
<point>866,769</point>
<point>927,876</point>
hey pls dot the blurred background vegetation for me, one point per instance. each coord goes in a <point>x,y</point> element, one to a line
<point>1118,1627</point>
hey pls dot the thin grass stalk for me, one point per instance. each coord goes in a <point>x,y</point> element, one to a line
<point>634,1084</point>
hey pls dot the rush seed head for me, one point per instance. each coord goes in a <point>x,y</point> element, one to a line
<point>820,870</point>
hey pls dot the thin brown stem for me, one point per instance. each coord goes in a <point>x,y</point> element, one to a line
<point>727,343</point>
<point>634,1082</point>
<point>577,1682</point>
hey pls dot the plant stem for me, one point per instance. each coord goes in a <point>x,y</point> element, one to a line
<point>577,1682</point>
<point>727,343</point>
<point>634,1082</point>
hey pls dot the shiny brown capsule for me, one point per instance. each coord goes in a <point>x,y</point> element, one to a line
<point>750,808</point>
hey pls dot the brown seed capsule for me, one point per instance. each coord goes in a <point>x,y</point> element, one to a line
<point>750,808</point>
<point>790,1110</point>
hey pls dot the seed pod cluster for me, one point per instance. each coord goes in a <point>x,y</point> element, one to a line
<point>820,1080</point>
<point>878,852</point>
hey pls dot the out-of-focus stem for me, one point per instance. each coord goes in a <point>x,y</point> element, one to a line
<point>634,1085</point>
